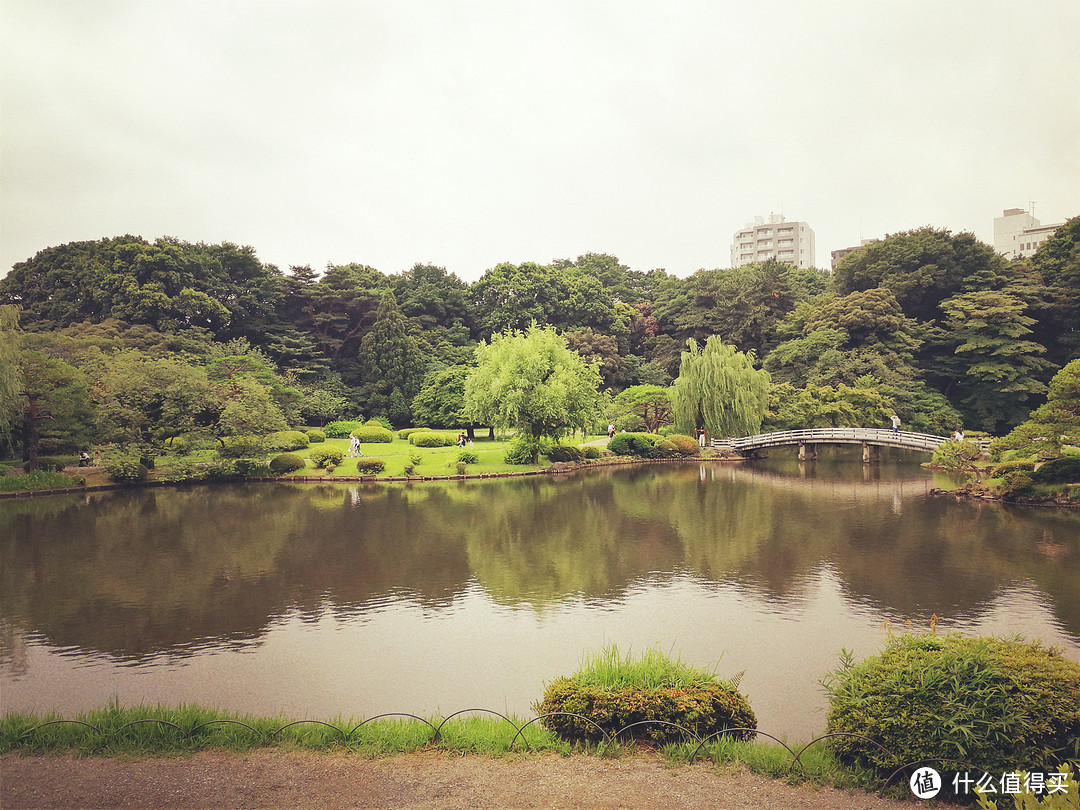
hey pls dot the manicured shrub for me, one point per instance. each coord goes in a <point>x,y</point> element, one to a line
<point>565,452</point>
<point>1065,470</point>
<point>315,436</point>
<point>687,445</point>
<point>341,429</point>
<point>405,433</point>
<point>614,692</point>
<point>999,705</point>
<point>287,440</point>
<point>461,467</point>
<point>379,421</point>
<point>326,456</point>
<point>1006,467</point>
<point>287,463</point>
<point>593,452</point>
<point>468,457</point>
<point>633,444</point>
<point>370,465</point>
<point>373,434</point>
<point>429,438</point>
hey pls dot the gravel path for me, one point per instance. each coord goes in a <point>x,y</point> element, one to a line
<point>430,780</point>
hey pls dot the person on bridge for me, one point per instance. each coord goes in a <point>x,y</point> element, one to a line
<point>895,423</point>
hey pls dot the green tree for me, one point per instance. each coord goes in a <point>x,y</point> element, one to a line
<point>10,373</point>
<point>52,391</point>
<point>441,400</point>
<point>719,389</point>
<point>921,268</point>
<point>143,401</point>
<point>532,382</point>
<point>1052,425</point>
<point>997,369</point>
<point>1057,265</point>
<point>390,361</point>
<point>815,406</point>
<point>650,403</point>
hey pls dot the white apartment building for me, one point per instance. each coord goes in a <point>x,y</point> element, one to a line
<point>788,242</point>
<point>1017,234</point>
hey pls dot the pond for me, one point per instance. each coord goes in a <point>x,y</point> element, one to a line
<point>319,601</point>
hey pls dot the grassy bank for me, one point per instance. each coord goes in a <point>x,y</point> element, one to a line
<point>155,731</point>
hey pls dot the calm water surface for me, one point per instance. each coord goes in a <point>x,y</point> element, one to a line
<point>318,601</point>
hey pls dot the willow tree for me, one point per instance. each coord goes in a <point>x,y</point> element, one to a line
<point>719,389</point>
<point>533,382</point>
<point>10,374</point>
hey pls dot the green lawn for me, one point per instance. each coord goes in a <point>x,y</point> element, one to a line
<point>434,461</point>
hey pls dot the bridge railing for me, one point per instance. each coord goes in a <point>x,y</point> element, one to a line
<point>839,435</point>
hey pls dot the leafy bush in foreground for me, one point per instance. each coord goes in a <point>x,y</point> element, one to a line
<point>126,468</point>
<point>633,444</point>
<point>326,457</point>
<point>999,705</point>
<point>286,463</point>
<point>614,692</point>
<point>370,465</point>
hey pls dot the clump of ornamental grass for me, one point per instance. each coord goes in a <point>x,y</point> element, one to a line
<point>653,697</point>
<point>1000,705</point>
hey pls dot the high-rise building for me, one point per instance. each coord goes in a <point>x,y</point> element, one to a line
<point>1017,234</point>
<point>837,255</point>
<point>788,242</point>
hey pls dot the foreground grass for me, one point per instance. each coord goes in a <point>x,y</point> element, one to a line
<point>155,731</point>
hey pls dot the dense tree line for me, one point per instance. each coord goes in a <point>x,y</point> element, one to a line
<point>123,339</point>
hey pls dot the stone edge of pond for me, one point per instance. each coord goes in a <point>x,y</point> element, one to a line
<point>559,468</point>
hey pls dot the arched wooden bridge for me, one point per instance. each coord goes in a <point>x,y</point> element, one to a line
<point>806,440</point>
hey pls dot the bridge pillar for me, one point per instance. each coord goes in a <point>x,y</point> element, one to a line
<point>870,453</point>
<point>807,452</point>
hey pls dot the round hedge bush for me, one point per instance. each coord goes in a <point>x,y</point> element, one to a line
<point>370,465</point>
<point>373,434</point>
<point>341,429</point>
<point>633,444</point>
<point>429,438</point>
<point>315,436</point>
<point>996,704</point>
<point>286,463</point>
<point>326,457</point>
<point>287,440</point>
<point>613,692</point>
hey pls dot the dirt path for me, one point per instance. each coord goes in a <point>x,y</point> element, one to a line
<point>431,780</point>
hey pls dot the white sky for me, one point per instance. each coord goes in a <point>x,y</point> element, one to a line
<point>471,132</point>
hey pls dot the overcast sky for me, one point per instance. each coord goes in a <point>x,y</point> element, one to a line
<point>466,133</point>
